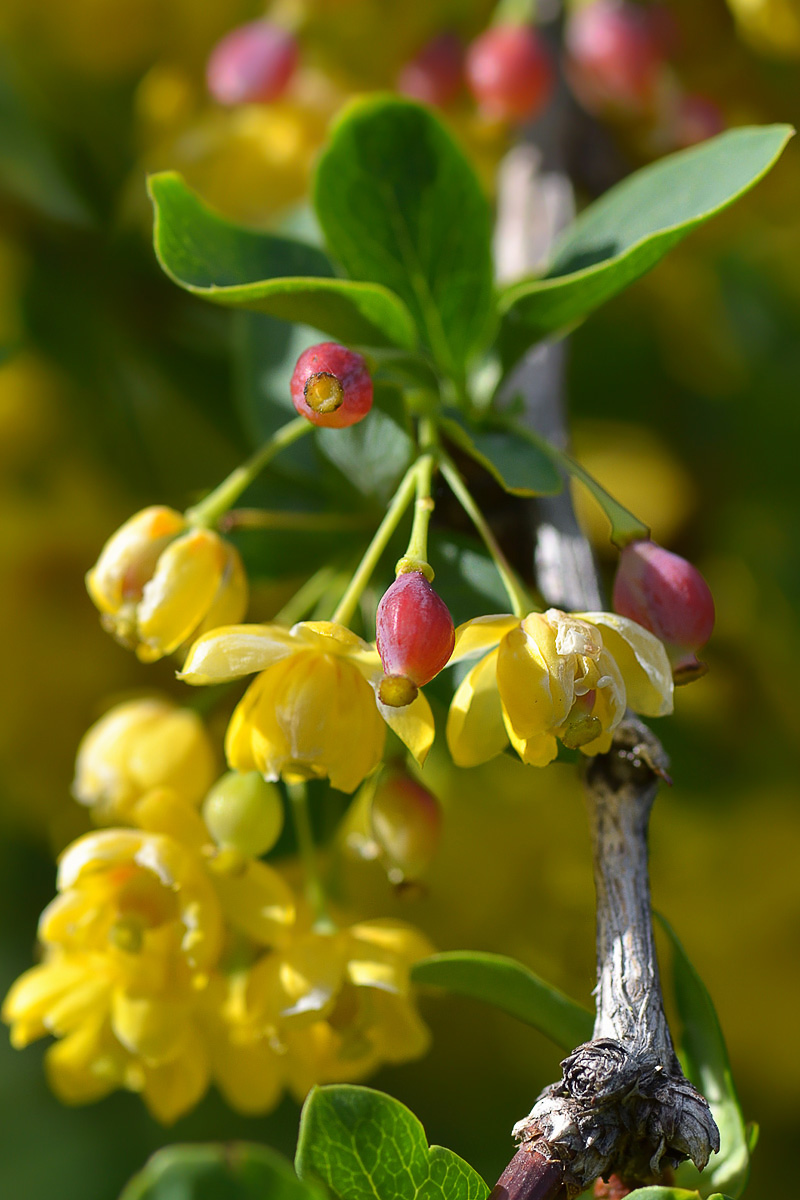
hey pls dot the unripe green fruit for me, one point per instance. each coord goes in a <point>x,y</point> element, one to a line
<point>243,812</point>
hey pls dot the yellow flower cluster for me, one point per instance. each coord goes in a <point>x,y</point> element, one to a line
<point>170,963</point>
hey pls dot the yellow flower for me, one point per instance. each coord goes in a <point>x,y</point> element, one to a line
<point>339,1004</point>
<point>313,711</point>
<point>159,582</point>
<point>138,746</point>
<point>129,944</point>
<point>553,676</point>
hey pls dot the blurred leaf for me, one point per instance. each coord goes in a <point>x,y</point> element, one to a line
<point>624,233</point>
<point>367,1146</point>
<point>400,204</point>
<point>219,261</point>
<point>509,986</point>
<point>236,1171</point>
<point>30,166</point>
<point>625,526</point>
<point>373,453</point>
<point>519,465</point>
<point>708,1068</point>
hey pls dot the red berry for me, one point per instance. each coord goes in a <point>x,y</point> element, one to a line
<point>509,72</point>
<point>405,822</point>
<point>435,75</point>
<point>415,637</point>
<point>697,119</point>
<point>253,63</point>
<point>667,595</point>
<point>331,386</point>
<point>614,56</point>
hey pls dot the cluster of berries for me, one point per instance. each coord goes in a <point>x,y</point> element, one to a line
<point>615,62</point>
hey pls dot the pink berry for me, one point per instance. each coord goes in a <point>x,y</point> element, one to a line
<point>509,72</point>
<point>415,637</point>
<point>406,823</point>
<point>435,75</point>
<point>331,386</point>
<point>253,63</point>
<point>697,119</point>
<point>614,56</point>
<point>667,595</point>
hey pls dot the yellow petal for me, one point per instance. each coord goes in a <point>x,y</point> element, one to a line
<point>236,650</point>
<point>129,557</point>
<point>398,1033</point>
<point>475,728</point>
<point>481,634</point>
<point>258,902</point>
<point>230,602</point>
<point>535,751</point>
<point>154,1028</point>
<point>413,724</point>
<point>174,752</point>
<point>180,593</point>
<point>173,1088</point>
<point>31,997</point>
<point>85,1066</point>
<point>250,1076</point>
<point>163,811</point>
<point>533,680</point>
<point>310,974</point>
<point>642,661</point>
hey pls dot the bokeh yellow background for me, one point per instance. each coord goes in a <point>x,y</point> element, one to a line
<point>117,392</point>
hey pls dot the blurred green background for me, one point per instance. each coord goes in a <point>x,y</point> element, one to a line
<point>117,391</point>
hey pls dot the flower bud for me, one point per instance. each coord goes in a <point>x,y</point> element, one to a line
<point>137,747</point>
<point>614,56</point>
<point>509,72</point>
<point>667,595</point>
<point>405,822</point>
<point>434,76</point>
<point>252,64</point>
<point>331,386</point>
<point>244,813</point>
<point>159,582</point>
<point>415,637</point>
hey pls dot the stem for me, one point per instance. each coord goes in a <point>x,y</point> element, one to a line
<point>400,502</point>
<point>417,551</point>
<point>521,603</point>
<point>306,848</point>
<point>306,596</point>
<point>208,512</point>
<point>257,518</point>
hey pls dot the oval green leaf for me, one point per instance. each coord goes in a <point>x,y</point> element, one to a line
<point>518,464</point>
<point>400,205</point>
<point>507,985</point>
<point>625,233</point>
<point>242,268</point>
<point>236,1171</point>
<point>707,1066</point>
<point>365,1145</point>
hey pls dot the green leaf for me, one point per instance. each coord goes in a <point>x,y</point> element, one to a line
<point>219,261</point>
<point>625,233</point>
<point>707,1066</point>
<point>400,204</point>
<point>625,527</point>
<point>236,1171</point>
<point>521,466</point>
<point>509,986</point>
<point>365,1145</point>
<point>664,1193</point>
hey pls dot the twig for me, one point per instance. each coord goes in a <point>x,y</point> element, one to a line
<point>622,1105</point>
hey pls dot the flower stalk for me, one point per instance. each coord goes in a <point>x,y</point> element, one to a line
<point>208,512</point>
<point>520,601</point>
